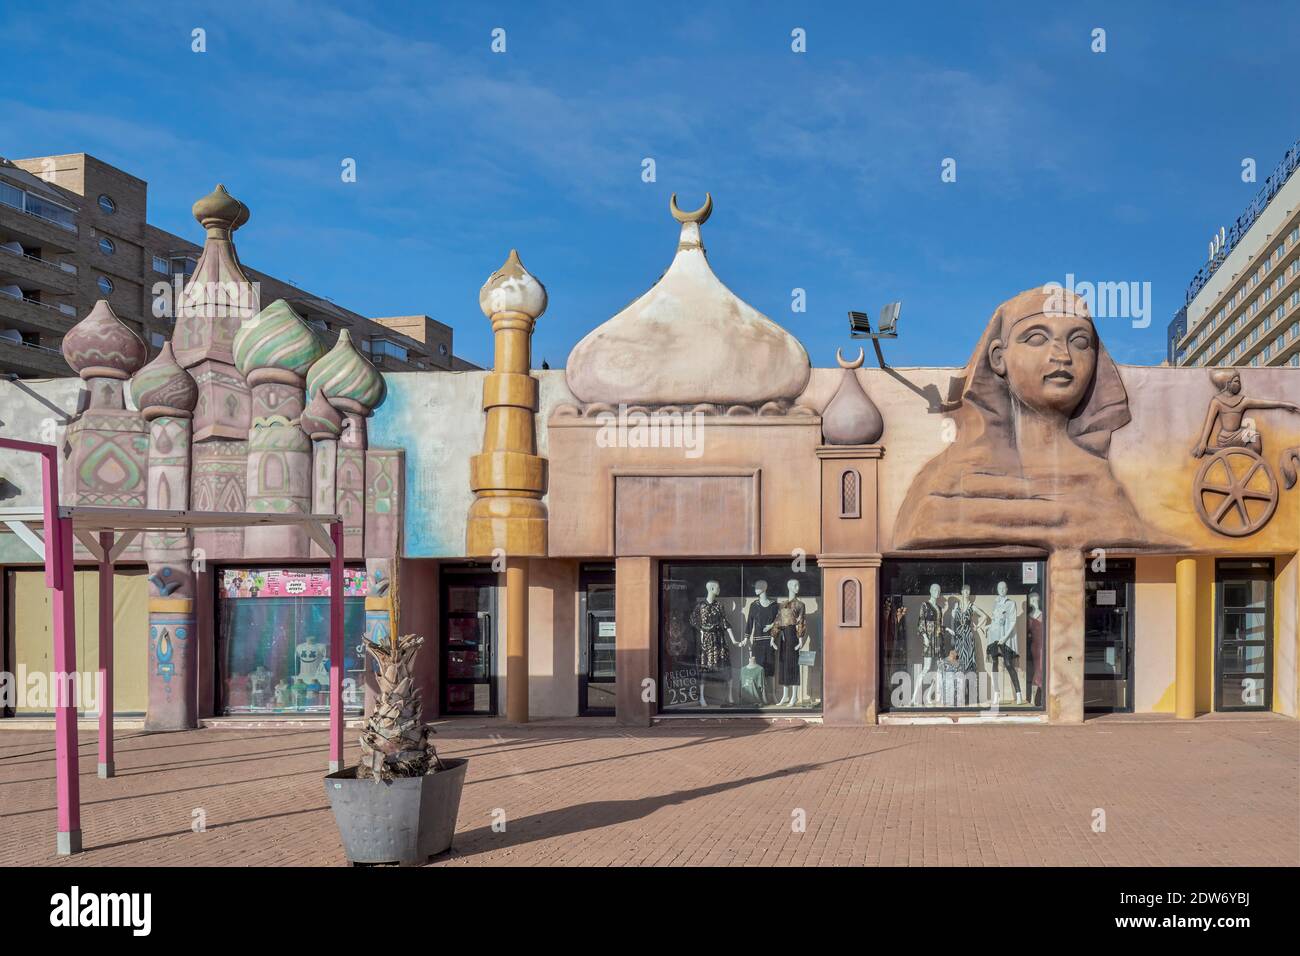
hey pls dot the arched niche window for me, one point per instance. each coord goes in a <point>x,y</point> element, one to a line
<point>850,603</point>
<point>850,494</point>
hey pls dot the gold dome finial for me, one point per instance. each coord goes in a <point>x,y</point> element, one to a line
<point>700,215</point>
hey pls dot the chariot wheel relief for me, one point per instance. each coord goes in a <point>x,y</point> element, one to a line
<point>1235,492</point>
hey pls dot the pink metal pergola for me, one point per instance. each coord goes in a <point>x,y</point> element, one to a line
<point>106,533</point>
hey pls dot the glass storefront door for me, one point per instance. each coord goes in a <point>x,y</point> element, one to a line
<point>596,667</point>
<point>467,645</point>
<point>1108,638</point>
<point>1243,657</point>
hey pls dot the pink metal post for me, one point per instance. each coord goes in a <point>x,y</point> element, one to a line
<point>59,575</point>
<point>336,648</point>
<point>106,655</point>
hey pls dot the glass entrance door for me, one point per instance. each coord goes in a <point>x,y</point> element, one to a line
<point>1108,638</point>
<point>596,667</point>
<point>1244,646</point>
<point>467,645</point>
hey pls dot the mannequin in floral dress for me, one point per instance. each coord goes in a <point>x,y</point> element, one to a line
<point>789,637</point>
<point>709,619</point>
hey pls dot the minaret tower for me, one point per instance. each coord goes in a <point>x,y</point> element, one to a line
<point>507,521</point>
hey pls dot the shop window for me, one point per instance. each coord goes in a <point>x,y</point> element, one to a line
<point>850,603</point>
<point>740,636</point>
<point>963,634</point>
<point>850,494</point>
<point>273,640</point>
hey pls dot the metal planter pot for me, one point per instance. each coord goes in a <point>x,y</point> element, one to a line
<point>405,821</point>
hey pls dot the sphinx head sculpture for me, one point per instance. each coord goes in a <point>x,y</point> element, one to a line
<point>1029,465</point>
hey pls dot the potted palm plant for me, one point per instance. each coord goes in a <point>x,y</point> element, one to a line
<point>399,803</point>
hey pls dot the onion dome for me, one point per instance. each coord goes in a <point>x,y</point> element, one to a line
<point>321,420</point>
<point>220,211</point>
<point>347,378</point>
<point>102,346</point>
<point>512,288</point>
<point>278,339</point>
<point>851,417</point>
<point>688,341</point>
<point>219,296</point>
<point>164,388</point>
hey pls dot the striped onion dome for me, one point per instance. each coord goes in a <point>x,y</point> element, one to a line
<point>347,378</point>
<point>276,338</point>
<point>164,388</point>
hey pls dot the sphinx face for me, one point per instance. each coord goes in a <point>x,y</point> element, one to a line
<point>1048,361</point>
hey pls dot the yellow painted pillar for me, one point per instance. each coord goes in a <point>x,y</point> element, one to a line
<point>1185,653</point>
<point>517,640</point>
<point>508,519</point>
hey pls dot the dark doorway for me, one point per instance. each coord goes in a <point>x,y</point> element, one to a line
<point>467,643</point>
<point>1243,648</point>
<point>1108,638</point>
<point>596,664</point>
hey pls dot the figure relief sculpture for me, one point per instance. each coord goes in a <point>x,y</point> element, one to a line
<point>1029,465</point>
<point>1235,491</point>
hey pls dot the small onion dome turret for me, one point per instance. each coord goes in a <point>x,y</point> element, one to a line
<point>512,288</point>
<point>851,417</point>
<point>102,346</point>
<point>221,211</point>
<point>164,388</point>
<point>321,420</point>
<point>347,378</point>
<point>277,339</point>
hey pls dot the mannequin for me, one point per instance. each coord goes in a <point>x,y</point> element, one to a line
<point>1034,653</point>
<point>1003,648</point>
<point>759,621</point>
<point>789,637</point>
<point>928,626</point>
<point>965,621</point>
<point>710,620</point>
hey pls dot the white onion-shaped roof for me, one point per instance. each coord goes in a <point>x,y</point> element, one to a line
<point>687,341</point>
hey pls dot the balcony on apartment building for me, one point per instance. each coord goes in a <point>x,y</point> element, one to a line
<point>27,360</point>
<point>34,219</point>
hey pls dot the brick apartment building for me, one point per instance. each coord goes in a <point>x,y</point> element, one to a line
<point>74,229</point>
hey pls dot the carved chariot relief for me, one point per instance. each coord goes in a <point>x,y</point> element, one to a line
<point>1235,490</point>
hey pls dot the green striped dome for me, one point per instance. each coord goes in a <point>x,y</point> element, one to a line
<point>346,373</point>
<point>277,337</point>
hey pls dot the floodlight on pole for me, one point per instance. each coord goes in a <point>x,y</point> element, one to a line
<point>860,327</point>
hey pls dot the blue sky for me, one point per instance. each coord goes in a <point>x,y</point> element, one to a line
<point>824,165</point>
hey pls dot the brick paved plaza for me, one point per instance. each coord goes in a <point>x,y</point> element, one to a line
<point>1217,791</point>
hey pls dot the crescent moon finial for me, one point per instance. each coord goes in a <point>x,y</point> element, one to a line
<point>856,363</point>
<point>700,215</point>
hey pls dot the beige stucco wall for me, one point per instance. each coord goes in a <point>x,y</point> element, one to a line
<point>1286,619</point>
<point>1154,634</point>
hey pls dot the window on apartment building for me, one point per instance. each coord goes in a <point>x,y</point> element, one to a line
<point>11,195</point>
<point>383,347</point>
<point>107,246</point>
<point>105,285</point>
<point>160,265</point>
<point>183,265</point>
<point>106,203</point>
